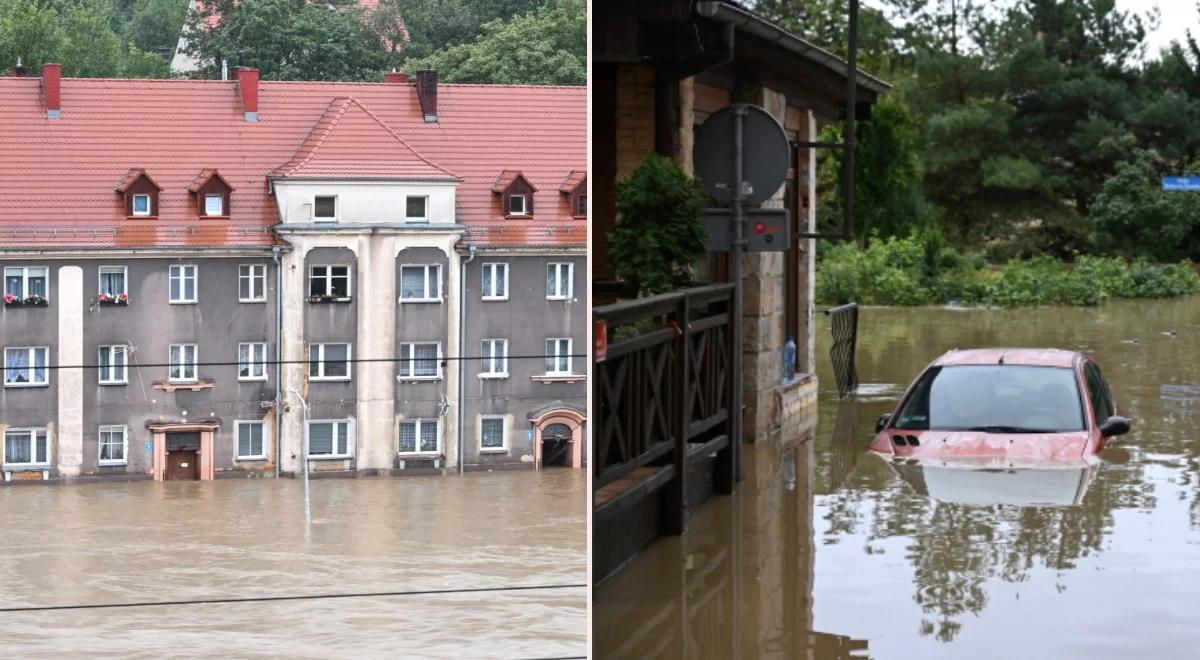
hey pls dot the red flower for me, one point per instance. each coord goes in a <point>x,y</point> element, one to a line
<point>9,298</point>
<point>123,297</point>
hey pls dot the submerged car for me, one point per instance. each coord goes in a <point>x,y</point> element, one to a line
<point>1003,408</point>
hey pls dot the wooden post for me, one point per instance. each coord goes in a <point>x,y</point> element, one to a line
<point>725,468</point>
<point>674,519</point>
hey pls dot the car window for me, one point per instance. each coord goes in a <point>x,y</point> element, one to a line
<point>1102,403</point>
<point>1001,398</point>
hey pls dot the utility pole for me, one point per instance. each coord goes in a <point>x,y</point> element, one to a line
<point>304,457</point>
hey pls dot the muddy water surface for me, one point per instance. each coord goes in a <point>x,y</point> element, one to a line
<point>146,541</point>
<point>857,559</point>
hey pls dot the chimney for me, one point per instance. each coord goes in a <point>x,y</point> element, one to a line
<point>427,93</point>
<point>247,79</point>
<point>395,78</point>
<point>52,86</point>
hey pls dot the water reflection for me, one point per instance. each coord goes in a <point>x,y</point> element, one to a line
<point>1059,486</point>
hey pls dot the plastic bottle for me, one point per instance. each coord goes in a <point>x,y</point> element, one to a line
<point>789,359</point>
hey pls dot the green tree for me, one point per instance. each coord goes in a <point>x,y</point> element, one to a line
<point>435,25</point>
<point>156,23</point>
<point>90,49</point>
<point>1135,217</point>
<point>29,34</point>
<point>552,49</point>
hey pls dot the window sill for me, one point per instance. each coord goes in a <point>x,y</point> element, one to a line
<point>320,300</point>
<point>19,467</point>
<point>493,450</point>
<point>322,379</point>
<point>250,459</point>
<point>546,379</point>
<point>112,383</point>
<point>27,304</point>
<point>329,457</point>
<point>493,376</point>
<point>20,385</point>
<point>112,463</point>
<point>518,216</point>
<point>418,379</point>
<point>419,300</point>
<point>256,301</point>
<point>495,298</point>
<point>192,386</point>
<point>184,302</point>
<point>262,379</point>
<point>419,455</point>
<point>112,303</point>
<point>560,298</point>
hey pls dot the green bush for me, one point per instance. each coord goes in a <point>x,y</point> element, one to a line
<point>922,270</point>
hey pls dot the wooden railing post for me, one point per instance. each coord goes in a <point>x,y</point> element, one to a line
<point>674,520</point>
<point>725,468</point>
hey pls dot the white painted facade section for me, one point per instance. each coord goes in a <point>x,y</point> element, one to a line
<point>365,201</point>
<point>69,452</point>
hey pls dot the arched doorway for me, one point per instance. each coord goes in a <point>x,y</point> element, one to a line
<point>558,436</point>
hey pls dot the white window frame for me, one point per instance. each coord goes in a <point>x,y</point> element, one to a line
<point>504,435</point>
<point>180,272</point>
<point>32,368</point>
<point>320,348</point>
<point>237,439</point>
<point>488,363</point>
<point>350,440</point>
<point>100,273</point>
<point>495,267</point>
<point>133,206</point>
<point>220,205</point>
<point>421,219</point>
<point>407,360</point>
<point>557,355</point>
<point>183,364</point>
<point>25,279</point>
<point>561,292</point>
<point>524,204</point>
<point>328,278</point>
<point>325,218</point>
<point>33,434</point>
<point>436,276</point>
<point>124,460</point>
<point>260,362</point>
<point>420,424</point>
<point>113,350</point>
<point>251,273</point>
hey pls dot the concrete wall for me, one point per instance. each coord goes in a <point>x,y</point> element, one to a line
<point>75,326</point>
<point>365,201</point>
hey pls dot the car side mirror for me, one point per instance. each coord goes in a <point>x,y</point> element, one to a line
<point>1114,426</point>
<point>881,422</point>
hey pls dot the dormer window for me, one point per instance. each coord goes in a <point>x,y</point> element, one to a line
<point>575,189</point>
<point>211,191</point>
<point>325,208</point>
<point>581,204</point>
<point>516,194</point>
<point>416,209</point>
<point>214,205</point>
<point>139,193</point>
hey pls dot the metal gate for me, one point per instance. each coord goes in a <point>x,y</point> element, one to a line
<point>844,327</point>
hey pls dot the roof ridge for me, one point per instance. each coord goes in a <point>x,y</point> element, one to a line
<point>401,140</point>
<point>312,151</point>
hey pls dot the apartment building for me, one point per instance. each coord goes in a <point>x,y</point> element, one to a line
<point>226,278</point>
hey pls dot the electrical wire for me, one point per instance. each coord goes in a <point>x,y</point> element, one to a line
<point>443,360</point>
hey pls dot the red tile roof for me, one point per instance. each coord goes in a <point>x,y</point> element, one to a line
<point>204,177</point>
<point>506,179</point>
<point>57,175</point>
<point>574,178</point>
<point>132,176</point>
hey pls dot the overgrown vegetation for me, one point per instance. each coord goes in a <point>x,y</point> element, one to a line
<point>922,269</point>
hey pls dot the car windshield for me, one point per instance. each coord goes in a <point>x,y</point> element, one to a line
<point>994,398</point>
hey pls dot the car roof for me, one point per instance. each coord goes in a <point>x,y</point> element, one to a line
<point>1041,357</point>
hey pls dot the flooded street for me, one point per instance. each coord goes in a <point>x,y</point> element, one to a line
<point>856,559</point>
<point>473,539</point>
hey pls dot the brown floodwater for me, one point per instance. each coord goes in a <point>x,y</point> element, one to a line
<point>153,542</point>
<point>856,559</point>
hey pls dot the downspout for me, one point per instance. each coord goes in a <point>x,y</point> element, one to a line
<point>278,357</point>
<point>462,351</point>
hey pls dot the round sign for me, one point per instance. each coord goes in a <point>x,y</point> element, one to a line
<point>765,155</point>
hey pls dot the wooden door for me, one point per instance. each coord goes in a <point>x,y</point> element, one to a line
<point>181,466</point>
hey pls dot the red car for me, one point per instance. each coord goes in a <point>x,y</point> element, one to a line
<point>1003,407</point>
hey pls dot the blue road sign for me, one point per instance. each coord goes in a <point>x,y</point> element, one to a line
<point>1181,183</point>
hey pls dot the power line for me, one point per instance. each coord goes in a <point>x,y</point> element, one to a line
<point>265,599</point>
<point>443,360</point>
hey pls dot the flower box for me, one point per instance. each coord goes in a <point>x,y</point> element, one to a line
<point>28,301</point>
<point>106,300</point>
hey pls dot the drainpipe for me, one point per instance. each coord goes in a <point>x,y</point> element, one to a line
<point>462,351</point>
<point>278,357</point>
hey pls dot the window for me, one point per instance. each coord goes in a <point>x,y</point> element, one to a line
<point>420,360</point>
<point>516,204</point>
<point>1028,399</point>
<point>581,204</point>
<point>558,357</point>
<point>1102,403</point>
<point>183,363</point>
<point>420,283</point>
<point>25,447</point>
<point>330,439</point>
<point>141,204</point>
<point>492,433</point>
<point>495,359</point>
<point>249,440</point>
<point>325,209</point>
<point>558,281</point>
<point>26,367</point>
<point>26,282</point>
<point>114,369</point>
<point>114,445</point>
<point>329,362</point>
<point>252,283</point>
<point>495,281</point>
<point>329,282</point>
<point>183,284</point>
<point>214,205</point>
<point>112,284</point>
<point>419,436</point>
<point>416,209</point>
<point>252,361</point>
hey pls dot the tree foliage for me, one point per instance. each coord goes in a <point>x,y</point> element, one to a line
<point>86,36</point>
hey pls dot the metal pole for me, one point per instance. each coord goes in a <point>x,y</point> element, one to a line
<point>304,457</point>
<point>739,252</point>
<point>848,142</point>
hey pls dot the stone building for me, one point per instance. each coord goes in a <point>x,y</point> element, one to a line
<point>218,278</point>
